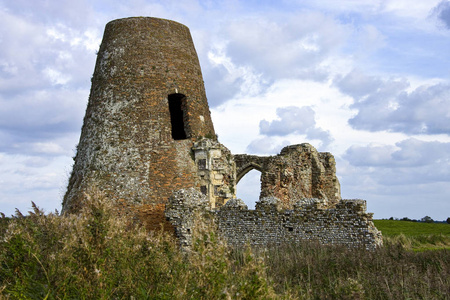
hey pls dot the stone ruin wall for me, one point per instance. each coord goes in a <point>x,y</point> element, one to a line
<point>299,171</point>
<point>347,223</point>
<point>299,201</point>
<point>216,171</point>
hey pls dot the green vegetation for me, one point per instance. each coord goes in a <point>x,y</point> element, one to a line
<point>102,254</point>
<point>394,228</point>
<point>417,236</point>
<point>312,271</point>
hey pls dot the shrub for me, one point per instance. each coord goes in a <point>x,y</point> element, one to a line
<point>427,219</point>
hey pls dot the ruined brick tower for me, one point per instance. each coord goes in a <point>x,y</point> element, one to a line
<point>148,140</point>
<point>147,107</point>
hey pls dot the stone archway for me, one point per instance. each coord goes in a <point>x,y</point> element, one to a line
<point>247,168</point>
<point>250,189</point>
<point>245,163</point>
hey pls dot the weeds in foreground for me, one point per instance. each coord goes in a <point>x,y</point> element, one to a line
<point>100,254</point>
<point>311,271</point>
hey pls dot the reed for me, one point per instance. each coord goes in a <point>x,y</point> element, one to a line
<point>102,254</point>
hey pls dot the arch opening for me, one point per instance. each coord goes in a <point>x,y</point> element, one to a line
<point>243,171</point>
<point>177,116</point>
<point>249,187</point>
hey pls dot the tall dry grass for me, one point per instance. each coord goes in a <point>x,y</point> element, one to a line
<point>311,271</point>
<point>102,254</point>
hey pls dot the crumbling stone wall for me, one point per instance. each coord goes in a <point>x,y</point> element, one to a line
<point>216,171</point>
<point>186,209</point>
<point>347,223</point>
<point>245,163</point>
<point>299,171</point>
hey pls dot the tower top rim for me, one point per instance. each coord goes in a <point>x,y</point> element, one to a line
<point>144,20</point>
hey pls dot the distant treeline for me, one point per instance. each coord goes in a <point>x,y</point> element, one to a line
<point>425,219</point>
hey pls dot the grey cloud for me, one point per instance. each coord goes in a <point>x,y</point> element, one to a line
<point>292,120</point>
<point>35,149</point>
<point>37,161</point>
<point>295,120</point>
<point>26,178</point>
<point>257,52</point>
<point>407,153</point>
<point>219,86</point>
<point>316,133</point>
<point>425,110</point>
<point>224,79</point>
<point>38,118</point>
<point>414,152</point>
<point>413,173</point>
<point>38,55</point>
<point>387,105</point>
<point>44,81</point>
<point>369,155</point>
<point>265,146</point>
<point>442,10</point>
<point>397,194</point>
<point>357,84</point>
<point>411,161</point>
<point>19,74</point>
<point>318,74</point>
<point>412,177</point>
<point>76,13</point>
<point>285,48</point>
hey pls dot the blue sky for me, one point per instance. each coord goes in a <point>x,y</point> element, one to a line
<point>368,81</point>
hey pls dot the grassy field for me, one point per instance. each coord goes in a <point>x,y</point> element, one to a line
<point>101,255</point>
<point>393,228</point>
<point>416,236</point>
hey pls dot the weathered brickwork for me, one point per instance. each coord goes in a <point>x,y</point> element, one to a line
<point>128,148</point>
<point>152,216</point>
<point>299,171</point>
<point>186,210</point>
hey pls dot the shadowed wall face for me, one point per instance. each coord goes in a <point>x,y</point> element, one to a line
<point>146,107</point>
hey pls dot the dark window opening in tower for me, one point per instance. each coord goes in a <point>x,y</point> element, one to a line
<point>177,116</point>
